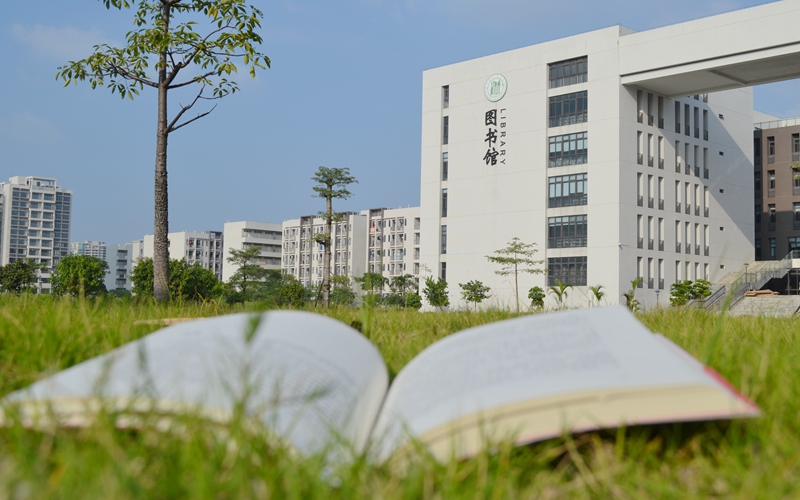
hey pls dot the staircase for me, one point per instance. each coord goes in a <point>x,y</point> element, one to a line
<point>730,290</point>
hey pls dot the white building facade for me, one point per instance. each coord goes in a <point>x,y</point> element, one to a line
<point>393,243</point>
<point>242,235</point>
<point>91,248</point>
<point>36,220</point>
<point>303,258</point>
<point>620,154</point>
<point>202,248</point>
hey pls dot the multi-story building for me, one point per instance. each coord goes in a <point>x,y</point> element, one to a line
<point>91,248</point>
<point>121,261</point>
<point>622,154</point>
<point>242,235</point>
<point>776,147</point>
<point>204,249</point>
<point>303,258</point>
<point>394,241</point>
<point>35,223</point>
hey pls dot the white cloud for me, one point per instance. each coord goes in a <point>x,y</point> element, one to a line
<point>64,43</point>
<point>29,129</point>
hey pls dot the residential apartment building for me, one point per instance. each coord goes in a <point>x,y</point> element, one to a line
<point>622,154</point>
<point>776,182</point>
<point>91,248</point>
<point>35,223</point>
<point>121,261</point>
<point>202,248</point>
<point>393,244</point>
<point>303,258</point>
<point>242,235</point>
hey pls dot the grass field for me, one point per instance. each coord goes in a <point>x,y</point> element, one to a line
<point>758,458</point>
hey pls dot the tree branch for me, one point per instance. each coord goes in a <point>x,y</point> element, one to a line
<point>194,80</point>
<point>130,76</point>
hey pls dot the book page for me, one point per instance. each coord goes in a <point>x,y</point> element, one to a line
<point>309,378</point>
<point>524,359</point>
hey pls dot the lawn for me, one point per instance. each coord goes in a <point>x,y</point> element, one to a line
<point>743,459</point>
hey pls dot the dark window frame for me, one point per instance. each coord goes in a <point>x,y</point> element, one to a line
<point>568,109</point>
<point>567,231</point>
<point>568,270</point>
<point>567,190</point>
<point>568,149</point>
<point>568,72</point>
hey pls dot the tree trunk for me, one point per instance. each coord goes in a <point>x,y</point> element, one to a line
<point>161,219</point>
<point>326,266</point>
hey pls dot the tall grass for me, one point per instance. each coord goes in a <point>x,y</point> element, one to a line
<point>742,459</point>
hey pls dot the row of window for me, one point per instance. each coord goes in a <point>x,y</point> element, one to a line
<point>794,244</point>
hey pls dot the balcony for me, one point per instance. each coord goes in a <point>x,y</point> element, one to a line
<point>640,159</point>
<point>678,247</point>
<point>661,204</point>
<point>696,133</point>
<point>677,127</point>
<point>640,243</point>
<point>796,156</point>
<point>661,284</point>
<point>650,244</point>
<point>677,167</point>
<point>697,249</point>
<point>650,202</point>
<point>640,117</point>
<point>697,210</point>
<point>661,163</point>
<point>705,135</point>
<point>689,248</point>
<point>696,171</point>
<point>660,245</point>
<point>705,173</point>
<point>650,161</point>
<point>688,209</point>
<point>641,282</point>
<point>661,123</point>
<point>688,169</point>
<point>688,131</point>
<point>640,200</point>
<point>705,212</point>
<point>650,120</point>
<point>650,283</point>
<point>770,159</point>
<point>678,207</point>
<point>705,251</point>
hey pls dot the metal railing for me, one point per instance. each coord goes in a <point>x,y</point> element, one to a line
<point>747,281</point>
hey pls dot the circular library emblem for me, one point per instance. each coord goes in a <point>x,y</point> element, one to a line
<point>495,87</point>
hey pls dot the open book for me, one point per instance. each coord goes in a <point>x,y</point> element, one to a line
<point>308,378</point>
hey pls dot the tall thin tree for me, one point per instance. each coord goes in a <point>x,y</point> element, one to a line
<point>331,183</point>
<point>514,259</point>
<point>155,54</point>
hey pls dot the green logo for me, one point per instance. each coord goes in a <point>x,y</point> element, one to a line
<point>495,87</point>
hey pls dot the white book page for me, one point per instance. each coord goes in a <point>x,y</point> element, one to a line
<point>310,377</point>
<point>523,359</point>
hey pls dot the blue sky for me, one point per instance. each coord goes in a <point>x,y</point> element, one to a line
<point>344,90</point>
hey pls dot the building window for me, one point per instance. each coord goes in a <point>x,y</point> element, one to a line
<point>758,248</point>
<point>797,211</point>
<point>757,181</point>
<point>568,149</point>
<point>794,243</point>
<point>445,97</point>
<point>771,180</point>
<point>443,270</point>
<point>445,129</point>
<point>568,72</point>
<point>444,166</point>
<point>567,190</point>
<point>757,149</point>
<point>568,270</point>
<point>758,214</point>
<point>772,213</point>
<point>770,146</point>
<point>773,248</point>
<point>795,147</point>
<point>444,203</point>
<point>568,109</point>
<point>568,231</point>
<point>444,240</point>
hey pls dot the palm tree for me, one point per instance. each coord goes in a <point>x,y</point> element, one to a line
<point>597,293</point>
<point>560,291</point>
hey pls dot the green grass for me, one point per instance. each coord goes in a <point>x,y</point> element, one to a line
<point>742,459</point>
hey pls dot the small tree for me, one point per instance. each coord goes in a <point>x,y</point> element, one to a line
<point>331,183</point>
<point>186,282</point>
<point>19,276</point>
<point>536,294</point>
<point>474,291</point>
<point>560,290</point>
<point>161,49</point>
<point>701,289</point>
<point>630,296</point>
<point>369,282</point>
<point>597,293</point>
<point>80,275</point>
<point>514,259</point>
<point>247,274</point>
<point>436,293</point>
<point>342,293</point>
<point>402,288</point>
